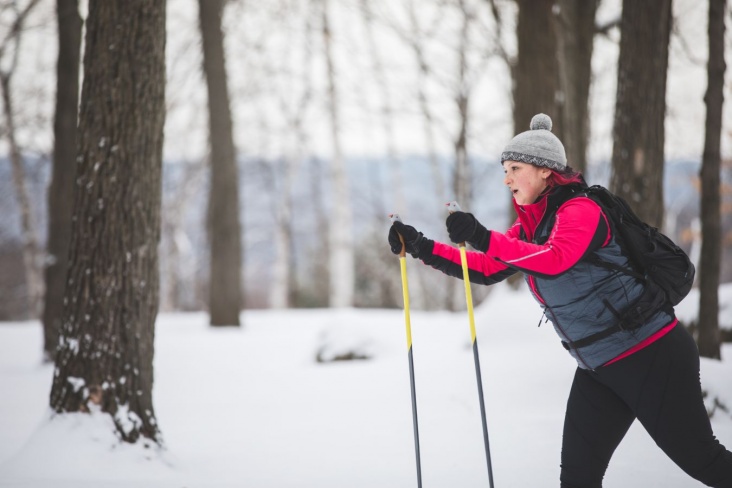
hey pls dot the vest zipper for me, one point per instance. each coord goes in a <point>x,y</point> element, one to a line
<point>535,289</point>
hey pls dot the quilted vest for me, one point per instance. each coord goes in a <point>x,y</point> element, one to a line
<point>588,299</point>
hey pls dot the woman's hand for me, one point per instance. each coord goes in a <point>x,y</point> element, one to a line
<point>464,227</point>
<point>416,243</point>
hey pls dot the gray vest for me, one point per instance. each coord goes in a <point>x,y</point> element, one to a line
<point>588,299</point>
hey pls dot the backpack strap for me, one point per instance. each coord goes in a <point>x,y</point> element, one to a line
<point>595,259</point>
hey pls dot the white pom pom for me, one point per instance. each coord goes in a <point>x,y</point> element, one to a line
<point>541,121</point>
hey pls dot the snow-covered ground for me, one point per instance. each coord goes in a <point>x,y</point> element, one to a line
<point>251,407</point>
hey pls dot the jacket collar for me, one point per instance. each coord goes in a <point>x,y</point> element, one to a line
<point>530,215</point>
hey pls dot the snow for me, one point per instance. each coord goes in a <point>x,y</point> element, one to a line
<point>253,407</point>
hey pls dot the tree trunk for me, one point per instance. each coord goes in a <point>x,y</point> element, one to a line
<point>386,113</point>
<point>105,356</point>
<point>280,293</point>
<point>638,157</point>
<point>61,188</point>
<point>179,264</point>
<point>462,175</point>
<point>711,220</point>
<point>224,227</point>
<point>340,232</point>
<point>10,49</point>
<point>29,228</point>
<point>536,74</point>
<point>428,120</point>
<point>317,290</point>
<point>575,32</point>
<point>294,104</point>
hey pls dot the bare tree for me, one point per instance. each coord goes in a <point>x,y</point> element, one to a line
<point>319,289</point>
<point>224,225</point>
<point>294,89</point>
<point>575,32</point>
<point>640,110</point>
<point>462,177</point>
<point>61,188</point>
<point>711,219</point>
<point>105,356</point>
<point>10,47</point>
<point>386,109</point>
<point>340,232</point>
<point>416,39</point>
<point>178,262</point>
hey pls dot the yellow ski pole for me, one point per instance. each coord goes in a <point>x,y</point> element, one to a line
<point>454,207</point>
<point>405,293</point>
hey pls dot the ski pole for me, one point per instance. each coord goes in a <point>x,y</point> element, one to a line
<point>405,293</point>
<point>454,207</point>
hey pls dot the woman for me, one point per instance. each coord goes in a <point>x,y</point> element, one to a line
<point>634,360</point>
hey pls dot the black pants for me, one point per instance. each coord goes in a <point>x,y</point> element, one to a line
<point>658,385</point>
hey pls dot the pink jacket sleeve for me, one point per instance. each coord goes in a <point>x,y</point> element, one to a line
<point>577,224</point>
<point>575,232</point>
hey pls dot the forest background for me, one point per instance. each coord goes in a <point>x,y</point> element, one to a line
<point>400,70</point>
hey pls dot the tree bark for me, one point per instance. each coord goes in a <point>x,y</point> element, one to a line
<point>536,74</point>
<point>575,33</point>
<point>61,188</point>
<point>105,358</point>
<point>224,227</point>
<point>709,337</point>
<point>640,110</point>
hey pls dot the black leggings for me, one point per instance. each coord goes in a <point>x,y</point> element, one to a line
<point>658,385</point>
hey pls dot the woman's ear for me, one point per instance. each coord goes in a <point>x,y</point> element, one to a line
<point>545,173</point>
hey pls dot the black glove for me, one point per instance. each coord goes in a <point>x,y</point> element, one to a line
<point>416,243</point>
<point>464,227</point>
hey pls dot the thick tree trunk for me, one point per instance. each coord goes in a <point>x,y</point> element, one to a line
<point>105,356</point>
<point>536,73</point>
<point>61,189</point>
<point>224,227</point>
<point>575,32</point>
<point>711,220</point>
<point>638,157</point>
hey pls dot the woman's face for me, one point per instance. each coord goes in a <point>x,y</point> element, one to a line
<point>525,181</point>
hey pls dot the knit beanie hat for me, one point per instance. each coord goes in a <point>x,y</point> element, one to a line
<point>537,146</point>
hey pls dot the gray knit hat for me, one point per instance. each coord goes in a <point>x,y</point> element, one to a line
<point>537,146</point>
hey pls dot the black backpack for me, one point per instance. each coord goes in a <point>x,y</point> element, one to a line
<point>654,257</point>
